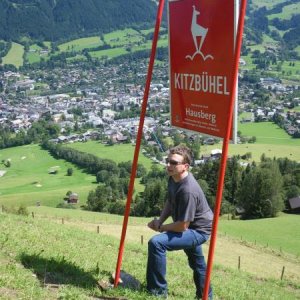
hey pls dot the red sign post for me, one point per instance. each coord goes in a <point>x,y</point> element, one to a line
<point>138,140</point>
<point>201,44</point>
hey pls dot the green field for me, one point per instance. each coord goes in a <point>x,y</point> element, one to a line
<point>121,41</point>
<point>14,55</point>
<point>270,140</point>
<point>287,12</point>
<point>276,232</point>
<point>43,259</point>
<point>80,44</point>
<point>118,153</point>
<point>28,181</point>
<point>268,133</point>
<point>267,3</point>
<point>123,37</point>
<point>291,152</point>
<point>109,53</point>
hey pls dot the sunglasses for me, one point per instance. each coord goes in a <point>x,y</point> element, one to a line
<point>174,162</point>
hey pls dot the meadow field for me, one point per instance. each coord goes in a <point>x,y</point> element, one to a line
<point>43,258</point>
<point>129,40</point>
<point>268,133</point>
<point>287,12</point>
<point>271,140</point>
<point>80,44</point>
<point>62,253</point>
<point>28,180</point>
<point>267,3</point>
<point>14,55</point>
<point>118,153</point>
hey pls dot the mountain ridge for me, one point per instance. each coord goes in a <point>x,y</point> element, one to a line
<point>58,19</point>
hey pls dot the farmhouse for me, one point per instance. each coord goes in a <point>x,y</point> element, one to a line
<point>295,202</point>
<point>73,198</point>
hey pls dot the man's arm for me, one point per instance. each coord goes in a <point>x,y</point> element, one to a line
<point>178,226</point>
<point>155,224</point>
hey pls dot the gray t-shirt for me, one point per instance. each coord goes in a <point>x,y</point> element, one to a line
<point>188,203</point>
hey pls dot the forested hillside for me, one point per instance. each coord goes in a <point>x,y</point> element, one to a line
<point>280,21</point>
<point>56,19</point>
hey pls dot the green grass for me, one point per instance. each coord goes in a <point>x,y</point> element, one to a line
<point>14,55</point>
<point>122,37</point>
<point>33,57</point>
<point>268,133</point>
<point>260,48</point>
<point>267,3</point>
<point>270,150</point>
<point>287,67</point>
<point>76,58</point>
<point>281,32</point>
<point>271,141</point>
<point>297,49</point>
<point>41,259</point>
<point>28,179</point>
<point>118,153</point>
<point>35,47</point>
<point>268,40</point>
<point>297,108</point>
<point>109,53</point>
<point>80,44</point>
<point>279,233</point>
<point>245,115</point>
<point>287,12</point>
<point>249,63</point>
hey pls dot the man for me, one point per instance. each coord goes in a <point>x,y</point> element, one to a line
<point>191,226</point>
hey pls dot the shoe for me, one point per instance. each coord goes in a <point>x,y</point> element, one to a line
<point>159,293</point>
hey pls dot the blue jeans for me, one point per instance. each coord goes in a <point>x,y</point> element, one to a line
<point>190,241</point>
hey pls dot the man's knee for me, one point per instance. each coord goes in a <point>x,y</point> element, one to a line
<point>155,243</point>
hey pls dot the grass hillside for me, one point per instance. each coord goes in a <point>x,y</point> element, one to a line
<point>28,179</point>
<point>41,258</point>
<point>14,55</point>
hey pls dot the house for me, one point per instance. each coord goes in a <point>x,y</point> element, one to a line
<point>216,153</point>
<point>209,141</point>
<point>73,198</point>
<point>295,202</point>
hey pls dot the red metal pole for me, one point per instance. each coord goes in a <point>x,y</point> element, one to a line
<point>225,150</point>
<point>138,140</point>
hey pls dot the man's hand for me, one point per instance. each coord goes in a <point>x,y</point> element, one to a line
<point>154,224</point>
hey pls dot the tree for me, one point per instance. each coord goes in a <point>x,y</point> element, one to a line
<point>70,172</point>
<point>260,193</point>
<point>154,197</point>
<point>102,176</point>
<point>94,202</point>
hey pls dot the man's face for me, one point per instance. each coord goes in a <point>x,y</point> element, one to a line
<point>175,165</point>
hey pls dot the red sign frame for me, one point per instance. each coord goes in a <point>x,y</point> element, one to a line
<point>201,53</point>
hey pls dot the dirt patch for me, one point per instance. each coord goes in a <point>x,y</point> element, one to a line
<point>8,293</point>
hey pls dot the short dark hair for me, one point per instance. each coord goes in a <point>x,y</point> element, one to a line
<point>183,151</point>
